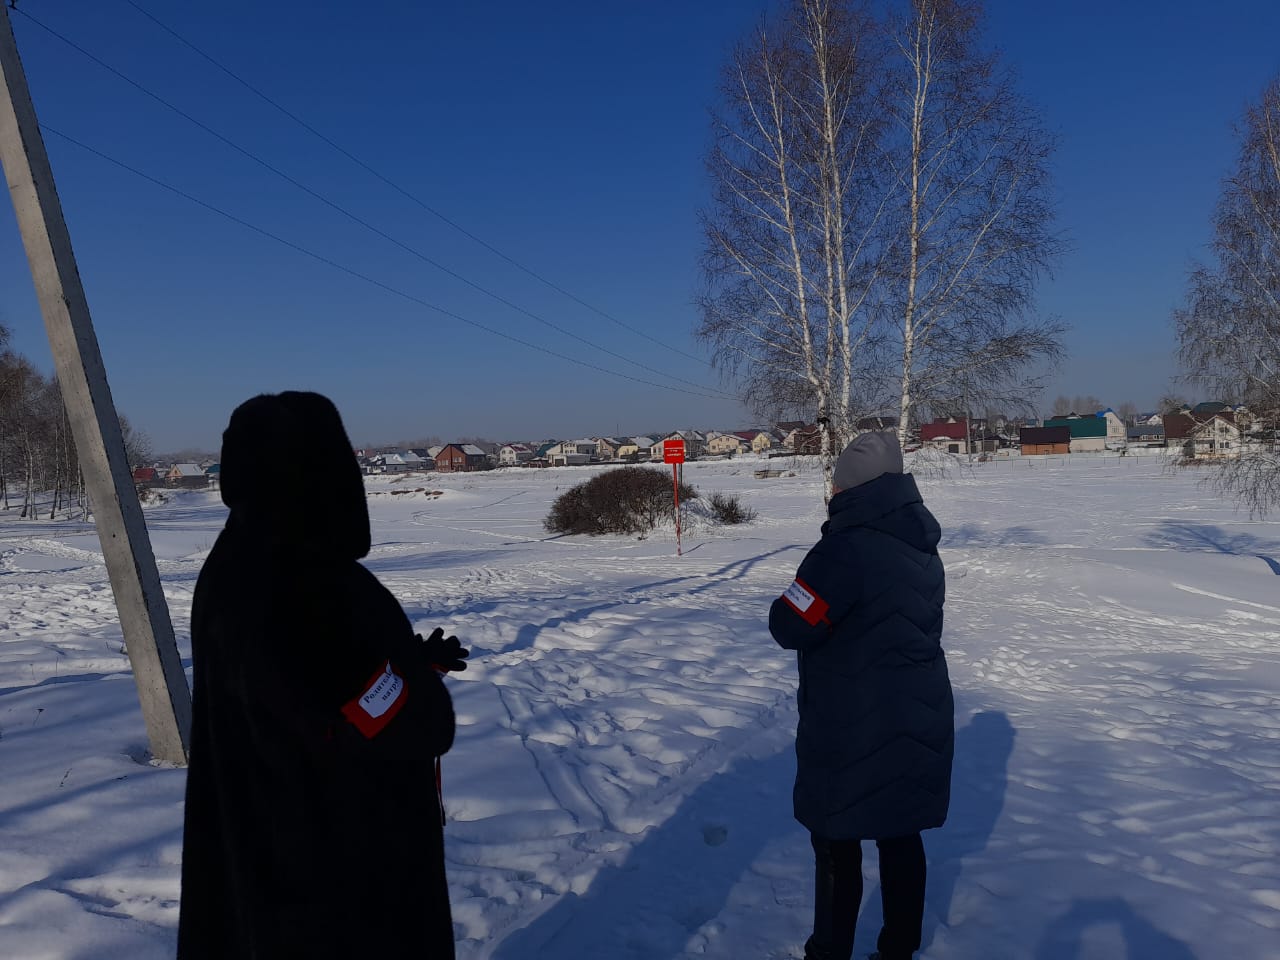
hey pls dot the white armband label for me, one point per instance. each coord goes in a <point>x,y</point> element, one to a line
<point>804,600</point>
<point>384,695</point>
<point>799,597</point>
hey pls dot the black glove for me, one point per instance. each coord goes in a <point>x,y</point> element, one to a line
<point>445,653</point>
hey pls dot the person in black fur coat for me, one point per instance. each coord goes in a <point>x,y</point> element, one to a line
<point>875,738</point>
<point>312,823</point>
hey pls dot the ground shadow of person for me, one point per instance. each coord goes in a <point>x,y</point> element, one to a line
<point>1062,939</point>
<point>979,780</point>
<point>677,878</point>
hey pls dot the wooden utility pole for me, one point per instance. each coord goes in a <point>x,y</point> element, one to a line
<point>131,565</point>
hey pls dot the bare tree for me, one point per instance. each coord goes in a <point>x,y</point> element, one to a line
<point>1127,411</point>
<point>1229,329</point>
<point>23,432</point>
<point>8,365</point>
<point>36,445</point>
<point>793,241</point>
<point>1086,404</point>
<point>137,445</point>
<point>972,218</point>
<point>880,216</point>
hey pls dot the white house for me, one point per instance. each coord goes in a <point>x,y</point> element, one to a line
<point>571,453</point>
<point>585,448</point>
<point>390,463</point>
<point>514,454</point>
<point>1216,437</point>
<point>1116,438</point>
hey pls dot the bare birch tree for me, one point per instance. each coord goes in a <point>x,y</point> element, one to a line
<point>793,245</point>
<point>36,446</point>
<point>1229,329</point>
<point>880,215</point>
<point>972,221</point>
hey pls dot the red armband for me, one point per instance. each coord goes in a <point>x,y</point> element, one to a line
<point>384,695</point>
<point>804,600</point>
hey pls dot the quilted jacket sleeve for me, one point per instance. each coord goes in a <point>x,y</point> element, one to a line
<point>828,574</point>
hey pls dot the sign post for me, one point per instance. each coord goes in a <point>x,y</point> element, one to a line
<point>673,453</point>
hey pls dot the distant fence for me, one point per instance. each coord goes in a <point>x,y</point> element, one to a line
<point>1110,458</point>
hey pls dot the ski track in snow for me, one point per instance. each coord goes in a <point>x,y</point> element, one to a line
<point>620,786</point>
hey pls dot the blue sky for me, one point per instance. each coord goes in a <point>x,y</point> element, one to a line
<point>570,135</point>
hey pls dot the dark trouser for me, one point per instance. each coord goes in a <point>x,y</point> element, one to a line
<point>839,894</point>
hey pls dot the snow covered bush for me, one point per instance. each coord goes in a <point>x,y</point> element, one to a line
<point>619,500</point>
<point>727,508</point>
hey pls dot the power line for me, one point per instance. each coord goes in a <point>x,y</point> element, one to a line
<point>402,191</point>
<point>333,205</point>
<point>356,273</point>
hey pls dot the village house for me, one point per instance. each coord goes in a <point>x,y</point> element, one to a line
<point>1219,436</point>
<point>1205,409</point>
<point>1117,432</point>
<point>637,448</point>
<point>389,463</point>
<point>415,461</point>
<point>570,453</point>
<point>514,454</point>
<point>1145,434</point>
<point>1043,441</point>
<point>608,448</point>
<point>1088,434</point>
<point>788,430</point>
<point>725,444</point>
<point>805,441</point>
<point>949,435</point>
<point>1203,435</point>
<point>460,458</point>
<point>189,476</point>
<point>146,478</point>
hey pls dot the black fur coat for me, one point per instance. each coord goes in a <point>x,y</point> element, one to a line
<point>312,824</point>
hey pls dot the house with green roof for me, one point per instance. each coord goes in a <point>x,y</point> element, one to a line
<point>1088,434</point>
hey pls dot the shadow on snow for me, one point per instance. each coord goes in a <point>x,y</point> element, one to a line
<point>1205,538</point>
<point>677,879</point>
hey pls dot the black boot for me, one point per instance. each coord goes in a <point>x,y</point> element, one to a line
<point>837,894</point>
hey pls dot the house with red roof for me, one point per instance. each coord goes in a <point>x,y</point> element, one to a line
<point>949,435</point>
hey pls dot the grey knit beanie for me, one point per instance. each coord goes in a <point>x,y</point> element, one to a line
<point>867,457</point>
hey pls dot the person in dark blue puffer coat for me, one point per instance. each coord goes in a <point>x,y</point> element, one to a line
<point>875,739</point>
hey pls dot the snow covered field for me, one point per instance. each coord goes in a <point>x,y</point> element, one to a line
<point>620,787</point>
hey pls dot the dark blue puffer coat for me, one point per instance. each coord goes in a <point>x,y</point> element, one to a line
<point>875,740</point>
